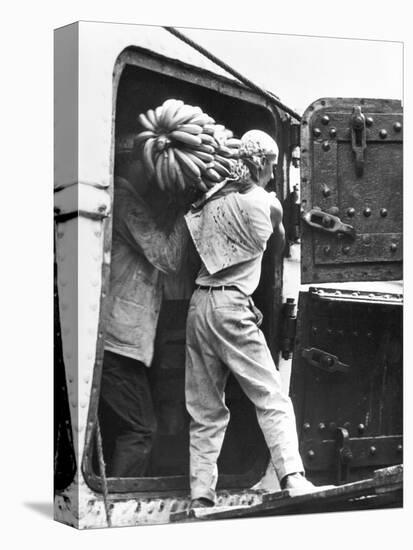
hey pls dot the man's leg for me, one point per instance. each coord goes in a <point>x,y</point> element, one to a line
<point>205,381</point>
<point>125,392</point>
<point>244,350</point>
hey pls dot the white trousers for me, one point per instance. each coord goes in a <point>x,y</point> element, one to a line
<point>222,337</point>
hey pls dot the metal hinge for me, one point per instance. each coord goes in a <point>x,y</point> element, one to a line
<point>288,328</point>
<point>358,138</point>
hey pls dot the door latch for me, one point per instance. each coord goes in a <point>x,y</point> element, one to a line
<point>344,455</point>
<point>358,138</point>
<point>327,222</point>
<point>323,360</point>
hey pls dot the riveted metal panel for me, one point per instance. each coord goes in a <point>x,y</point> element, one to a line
<point>347,375</point>
<point>355,175</point>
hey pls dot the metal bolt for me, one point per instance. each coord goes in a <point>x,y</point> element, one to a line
<point>383,212</point>
<point>351,212</point>
<point>325,119</point>
<point>361,428</point>
<point>321,426</point>
<point>326,250</point>
<point>346,249</point>
<point>367,212</point>
<point>397,126</point>
<point>306,426</point>
<point>334,210</point>
<point>383,133</point>
<point>326,221</point>
<point>326,146</point>
<point>393,247</point>
<point>316,132</point>
<point>333,132</point>
<point>311,454</point>
<point>373,450</point>
<point>399,448</point>
<point>326,191</point>
<point>369,121</point>
<point>366,239</point>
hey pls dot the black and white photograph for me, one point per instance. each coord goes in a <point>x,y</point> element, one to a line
<point>206,274</point>
<point>228,283</point>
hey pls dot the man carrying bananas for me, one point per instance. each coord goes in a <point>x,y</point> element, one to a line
<point>144,248</point>
<point>230,234</point>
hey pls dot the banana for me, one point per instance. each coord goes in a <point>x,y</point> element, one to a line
<point>226,151</point>
<point>169,108</point>
<point>213,175</point>
<point>204,148</point>
<point>196,160</point>
<point>184,114</point>
<point>233,142</point>
<point>180,179</point>
<point>158,171</point>
<point>203,186</point>
<point>200,119</point>
<point>158,114</point>
<point>143,136</point>
<point>171,167</point>
<point>187,139</point>
<point>206,157</point>
<point>209,129</point>
<point>145,122</point>
<point>208,140</point>
<point>150,115</point>
<point>169,185</point>
<point>222,171</point>
<point>187,164</point>
<point>224,161</point>
<point>147,156</point>
<point>194,129</point>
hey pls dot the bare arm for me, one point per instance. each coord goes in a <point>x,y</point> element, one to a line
<point>276,213</point>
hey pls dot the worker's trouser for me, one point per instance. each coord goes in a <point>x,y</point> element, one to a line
<point>223,337</point>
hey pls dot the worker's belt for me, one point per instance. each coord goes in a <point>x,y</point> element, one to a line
<point>222,287</point>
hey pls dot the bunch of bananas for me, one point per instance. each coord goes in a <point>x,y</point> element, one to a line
<point>183,147</point>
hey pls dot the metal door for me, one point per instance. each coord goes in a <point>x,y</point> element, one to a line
<point>351,174</point>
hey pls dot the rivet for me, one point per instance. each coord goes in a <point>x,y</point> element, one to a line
<point>326,146</point>
<point>326,250</point>
<point>399,448</point>
<point>367,212</point>
<point>326,191</point>
<point>383,212</point>
<point>314,330</point>
<point>316,132</point>
<point>383,133</point>
<point>355,333</point>
<point>351,212</point>
<point>311,454</point>
<point>306,426</point>
<point>361,428</point>
<point>334,210</point>
<point>397,126</point>
<point>369,334</point>
<point>369,121</point>
<point>366,239</point>
<point>321,426</point>
<point>393,247</point>
<point>373,450</point>
<point>346,249</point>
<point>326,221</point>
<point>325,119</point>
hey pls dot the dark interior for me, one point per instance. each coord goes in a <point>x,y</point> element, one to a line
<point>244,455</point>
